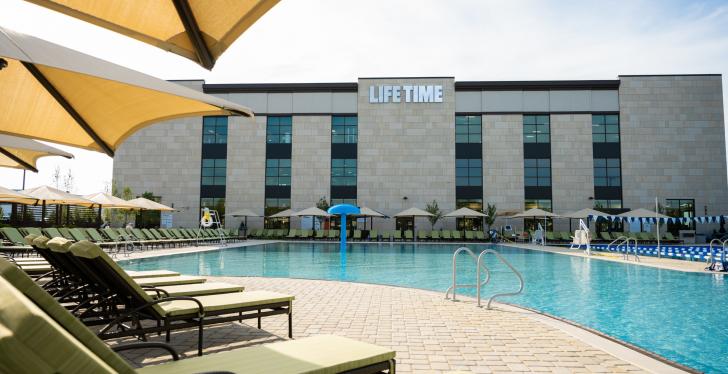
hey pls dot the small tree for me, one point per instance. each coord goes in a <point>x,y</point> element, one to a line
<point>56,177</point>
<point>491,211</point>
<point>433,209</point>
<point>323,204</point>
<point>68,181</point>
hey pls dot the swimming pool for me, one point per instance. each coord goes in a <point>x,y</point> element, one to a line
<point>681,316</point>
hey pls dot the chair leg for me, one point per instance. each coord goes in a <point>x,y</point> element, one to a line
<point>199,337</point>
<point>167,332</point>
<point>259,318</point>
<point>290,323</point>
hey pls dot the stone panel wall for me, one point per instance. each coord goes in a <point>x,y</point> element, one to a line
<point>246,168</point>
<point>310,161</point>
<point>503,163</point>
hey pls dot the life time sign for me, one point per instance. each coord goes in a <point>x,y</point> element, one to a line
<point>405,93</point>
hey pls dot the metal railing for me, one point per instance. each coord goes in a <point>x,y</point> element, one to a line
<point>724,246</point>
<point>480,266</point>
<point>624,241</point>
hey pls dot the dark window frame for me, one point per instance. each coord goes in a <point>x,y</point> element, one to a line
<point>218,173</point>
<point>465,124</point>
<point>539,169</point>
<point>344,171</point>
<point>279,130</point>
<point>349,127</point>
<point>473,164</point>
<point>214,130</point>
<point>280,172</point>
<point>541,132</point>
<point>605,128</point>
<point>609,177</point>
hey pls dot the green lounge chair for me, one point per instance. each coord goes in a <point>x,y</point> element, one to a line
<point>446,235</point>
<point>670,238</point>
<point>52,232</point>
<point>33,230</point>
<point>469,235</point>
<point>550,236</point>
<point>321,234</point>
<point>77,235</point>
<point>605,236</point>
<point>292,234</point>
<point>45,337</point>
<point>565,236</point>
<point>14,236</point>
<point>409,235</point>
<point>455,235</point>
<point>479,235</point>
<point>332,234</point>
<point>422,235</point>
<point>642,236</point>
<point>357,235</point>
<point>65,233</point>
<point>435,235</point>
<point>373,235</point>
<point>397,235</point>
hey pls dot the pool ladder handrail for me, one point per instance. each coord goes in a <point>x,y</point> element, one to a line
<point>623,240</point>
<point>724,246</point>
<point>480,264</point>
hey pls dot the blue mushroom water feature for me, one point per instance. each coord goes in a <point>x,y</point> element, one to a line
<point>343,210</point>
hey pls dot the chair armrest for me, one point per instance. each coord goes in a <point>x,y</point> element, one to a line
<point>145,345</point>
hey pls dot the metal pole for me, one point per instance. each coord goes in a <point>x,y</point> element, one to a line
<point>657,211</point>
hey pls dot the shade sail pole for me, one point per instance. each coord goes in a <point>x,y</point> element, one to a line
<point>18,160</point>
<point>67,107</point>
<point>193,33</point>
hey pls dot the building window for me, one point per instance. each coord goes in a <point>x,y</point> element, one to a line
<point>343,201</point>
<point>605,128</point>
<point>214,130</point>
<point>474,204</point>
<point>537,172</point>
<point>468,129</point>
<point>344,129</point>
<point>343,172</point>
<point>531,224</point>
<point>607,204</point>
<point>278,130</point>
<point>544,204</point>
<point>680,208</point>
<point>469,172</point>
<point>214,203</point>
<point>278,172</point>
<point>536,128</point>
<point>214,171</point>
<point>280,204</point>
<point>607,172</point>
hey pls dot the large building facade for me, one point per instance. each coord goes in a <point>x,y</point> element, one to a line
<point>394,143</point>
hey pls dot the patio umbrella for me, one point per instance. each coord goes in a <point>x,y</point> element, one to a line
<point>243,213</point>
<point>49,195</point>
<point>312,212</point>
<point>413,212</point>
<point>645,213</point>
<point>283,214</point>
<point>581,214</point>
<point>198,30</point>
<point>537,213</point>
<point>59,95</point>
<point>22,153</point>
<point>371,213</point>
<point>9,196</point>
<point>109,201</point>
<point>146,204</point>
<point>466,212</point>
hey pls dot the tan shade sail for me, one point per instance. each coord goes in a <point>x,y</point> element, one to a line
<point>534,213</point>
<point>583,214</point>
<point>413,212</point>
<point>107,200</point>
<point>243,213</point>
<point>22,153</point>
<point>200,30</point>
<point>641,213</point>
<point>9,196</point>
<point>146,204</point>
<point>50,195</point>
<point>283,214</point>
<point>312,211</point>
<point>465,212</point>
<point>57,94</point>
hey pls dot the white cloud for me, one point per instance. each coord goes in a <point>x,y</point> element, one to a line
<point>338,40</point>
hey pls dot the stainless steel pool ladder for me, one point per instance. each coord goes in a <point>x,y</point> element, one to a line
<point>480,265</point>
<point>724,246</point>
<point>623,240</point>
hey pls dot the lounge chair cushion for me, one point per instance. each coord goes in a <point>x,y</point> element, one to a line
<point>213,303</point>
<point>199,289</point>
<point>42,299</point>
<point>168,281</point>
<point>60,245</point>
<point>34,343</point>
<point>320,354</point>
<point>29,238</point>
<point>152,273</point>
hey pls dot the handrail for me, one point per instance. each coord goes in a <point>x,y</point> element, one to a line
<point>625,255</point>
<point>712,256</point>
<point>454,273</point>
<point>503,260</point>
<point>621,239</point>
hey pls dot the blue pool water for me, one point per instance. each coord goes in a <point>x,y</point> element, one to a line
<point>681,316</point>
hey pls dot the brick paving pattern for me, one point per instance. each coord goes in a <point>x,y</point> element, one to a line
<point>429,333</point>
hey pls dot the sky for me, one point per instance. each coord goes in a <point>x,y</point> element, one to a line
<point>341,40</point>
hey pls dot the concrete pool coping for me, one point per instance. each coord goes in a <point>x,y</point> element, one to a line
<point>627,352</point>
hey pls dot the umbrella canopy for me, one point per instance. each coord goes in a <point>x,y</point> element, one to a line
<point>50,195</point>
<point>146,204</point>
<point>9,196</point>
<point>283,214</point>
<point>57,94</point>
<point>413,212</point>
<point>465,212</point>
<point>368,212</point>
<point>198,30</point>
<point>108,200</point>
<point>243,213</point>
<point>583,214</point>
<point>534,213</point>
<point>312,211</point>
<point>22,153</point>
<point>642,213</point>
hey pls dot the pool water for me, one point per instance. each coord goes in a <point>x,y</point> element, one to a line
<point>678,315</point>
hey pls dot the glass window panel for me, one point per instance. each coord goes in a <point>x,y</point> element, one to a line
<point>611,119</point>
<point>614,181</point>
<point>529,129</point>
<point>544,172</point>
<point>598,138</point>
<point>613,162</point>
<point>542,138</point>
<point>284,172</point>
<point>529,120</point>
<point>474,128</point>
<point>272,162</point>
<point>542,120</point>
<point>350,162</point>
<point>461,172</point>
<point>612,138</point>
<point>530,162</point>
<point>208,162</point>
<point>337,172</point>
<point>207,139</point>
<point>475,162</point>
<point>461,181</point>
<point>271,181</point>
<point>544,162</point>
<point>600,181</point>
<point>459,138</point>
<point>544,181</point>
<point>338,120</point>
<point>461,162</point>
<point>284,181</point>
<point>220,181</point>
<point>529,138</point>
<point>611,129</point>
<point>531,172</point>
<point>600,172</point>
<point>597,119</point>
<point>600,162</point>
<point>207,181</point>
<point>284,163</point>
<point>220,163</point>
<point>475,172</point>
<point>337,162</point>
<point>531,181</point>
<point>475,181</point>
<point>474,138</point>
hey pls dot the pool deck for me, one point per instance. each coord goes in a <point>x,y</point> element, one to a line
<point>429,333</point>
